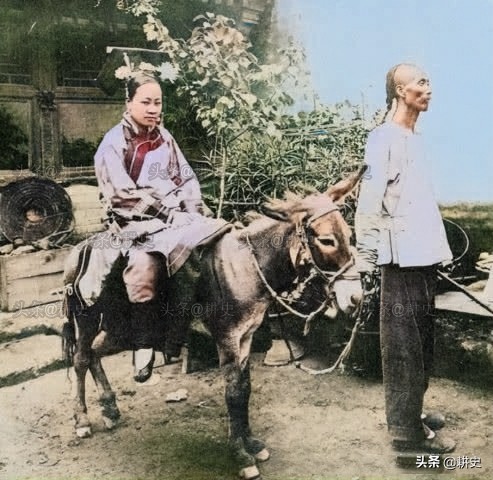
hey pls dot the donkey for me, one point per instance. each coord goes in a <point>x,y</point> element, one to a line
<point>246,270</point>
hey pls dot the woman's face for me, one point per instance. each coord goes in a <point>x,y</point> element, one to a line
<point>145,106</point>
<point>416,89</point>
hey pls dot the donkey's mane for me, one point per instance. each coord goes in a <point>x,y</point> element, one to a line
<point>292,203</point>
<point>259,224</point>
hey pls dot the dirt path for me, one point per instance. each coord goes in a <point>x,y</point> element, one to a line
<point>316,427</point>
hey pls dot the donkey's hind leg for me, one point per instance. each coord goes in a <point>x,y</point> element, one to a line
<point>107,397</point>
<point>86,325</point>
<point>82,359</point>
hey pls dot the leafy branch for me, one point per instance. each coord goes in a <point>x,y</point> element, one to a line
<point>241,103</point>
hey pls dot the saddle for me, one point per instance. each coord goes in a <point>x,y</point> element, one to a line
<point>95,291</point>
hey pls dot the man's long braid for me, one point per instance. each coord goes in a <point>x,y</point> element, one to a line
<point>391,100</point>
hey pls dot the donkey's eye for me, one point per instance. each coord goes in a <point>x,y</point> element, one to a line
<point>327,241</point>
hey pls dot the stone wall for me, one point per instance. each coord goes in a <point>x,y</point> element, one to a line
<point>87,120</point>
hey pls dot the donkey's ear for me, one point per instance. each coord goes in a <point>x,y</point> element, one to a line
<point>276,209</point>
<point>338,191</point>
<point>275,213</point>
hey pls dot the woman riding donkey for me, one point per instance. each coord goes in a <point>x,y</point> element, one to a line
<point>154,205</point>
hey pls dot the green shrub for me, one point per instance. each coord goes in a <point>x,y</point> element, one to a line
<point>14,143</point>
<point>78,152</point>
<point>250,148</point>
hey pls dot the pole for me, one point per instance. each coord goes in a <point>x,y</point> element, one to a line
<point>463,290</point>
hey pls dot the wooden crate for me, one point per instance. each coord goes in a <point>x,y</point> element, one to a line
<point>87,209</point>
<point>30,279</point>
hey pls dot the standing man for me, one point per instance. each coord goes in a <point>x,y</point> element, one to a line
<point>399,229</point>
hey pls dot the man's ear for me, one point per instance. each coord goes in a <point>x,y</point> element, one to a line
<point>399,90</point>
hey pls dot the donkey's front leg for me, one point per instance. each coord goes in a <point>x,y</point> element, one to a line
<point>248,449</point>
<point>237,395</point>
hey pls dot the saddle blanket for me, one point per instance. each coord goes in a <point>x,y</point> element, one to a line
<point>91,260</point>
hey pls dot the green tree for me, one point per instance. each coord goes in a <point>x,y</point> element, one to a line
<point>255,149</point>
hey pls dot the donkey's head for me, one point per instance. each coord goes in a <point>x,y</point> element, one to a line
<point>323,233</point>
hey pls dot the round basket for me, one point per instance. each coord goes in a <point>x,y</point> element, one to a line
<point>35,208</point>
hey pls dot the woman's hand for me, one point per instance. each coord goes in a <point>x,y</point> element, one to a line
<point>196,206</point>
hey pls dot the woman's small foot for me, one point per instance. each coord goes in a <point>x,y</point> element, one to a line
<point>144,361</point>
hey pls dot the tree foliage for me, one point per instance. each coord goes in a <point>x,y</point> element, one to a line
<point>254,148</point>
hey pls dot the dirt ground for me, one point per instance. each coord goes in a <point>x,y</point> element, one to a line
<point>316,427</point>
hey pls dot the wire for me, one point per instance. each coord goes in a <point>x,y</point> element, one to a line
<point>467,242</point>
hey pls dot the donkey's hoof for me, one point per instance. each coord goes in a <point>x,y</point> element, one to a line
<point>263,455</point>
<point>256,447</point>
<point>250,473</point>
<point>83,432</point>
<point>110,423</point>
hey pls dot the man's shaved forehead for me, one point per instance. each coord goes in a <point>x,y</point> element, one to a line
<point>406,73</point>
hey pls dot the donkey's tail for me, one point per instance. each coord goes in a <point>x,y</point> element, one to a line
<point>69,335</point>
<point>68,342</point>
<point>73,301</point>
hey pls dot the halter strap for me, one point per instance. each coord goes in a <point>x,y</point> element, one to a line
<point>331,207</point>
<point>329,277</point>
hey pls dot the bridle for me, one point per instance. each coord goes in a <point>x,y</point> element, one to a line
<point>329,277</point>
<point>301,227</point>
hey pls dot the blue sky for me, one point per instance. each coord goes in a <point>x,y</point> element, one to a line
<point>351,44</point>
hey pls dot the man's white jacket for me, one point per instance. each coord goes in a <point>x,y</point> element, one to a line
<point>397,219</point>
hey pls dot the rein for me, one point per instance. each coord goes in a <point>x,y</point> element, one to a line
<point>328,276</point>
